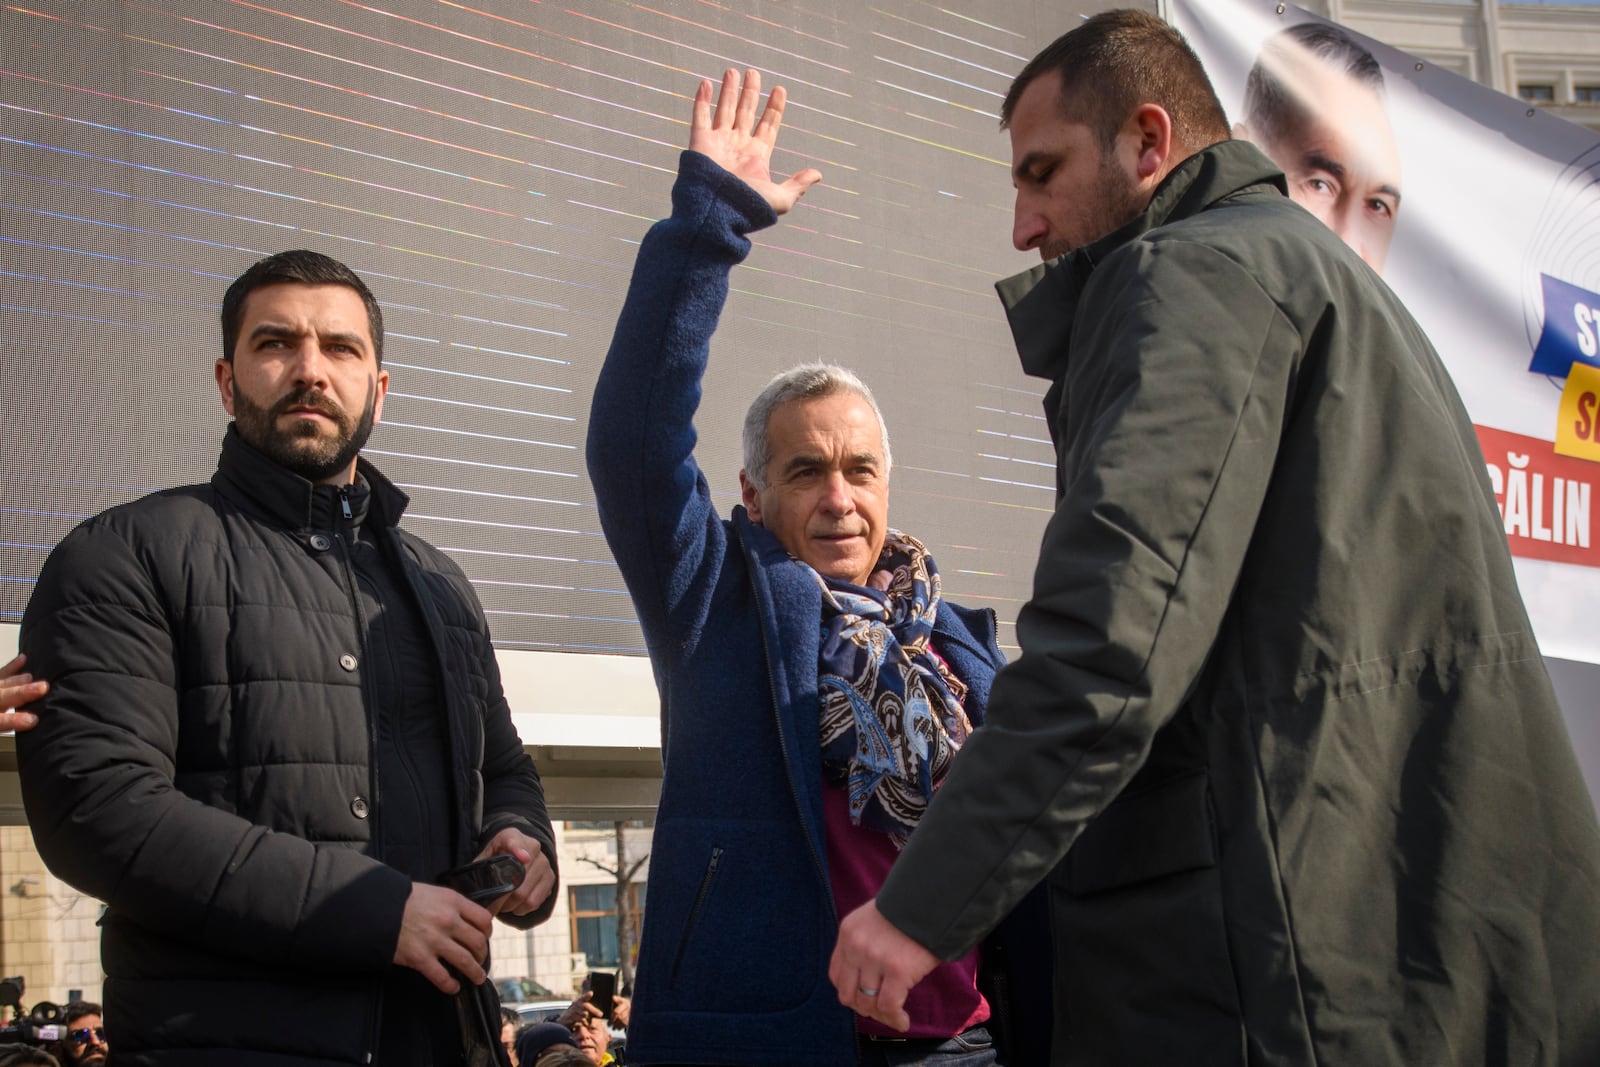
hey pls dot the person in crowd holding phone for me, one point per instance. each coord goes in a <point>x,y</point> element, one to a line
<point>593,1013</point>
<point>274,721</point>
<point>1280,736</point>
<point>780,638</point>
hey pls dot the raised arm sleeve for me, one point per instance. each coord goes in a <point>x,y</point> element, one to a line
<point>655,506</point>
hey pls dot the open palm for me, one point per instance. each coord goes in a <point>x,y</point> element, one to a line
<point>740,143</point>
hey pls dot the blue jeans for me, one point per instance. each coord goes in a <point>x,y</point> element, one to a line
<point>972,1048</point>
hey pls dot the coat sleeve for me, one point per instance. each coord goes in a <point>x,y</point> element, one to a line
<point>1169,421</point>
<point>655,506</point>
<point>513,795</point>
<point>97,786</point>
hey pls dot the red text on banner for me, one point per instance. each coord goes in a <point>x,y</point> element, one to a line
<point>1544,498</point>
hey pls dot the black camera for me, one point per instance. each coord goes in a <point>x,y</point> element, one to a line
<point>41,1026</point>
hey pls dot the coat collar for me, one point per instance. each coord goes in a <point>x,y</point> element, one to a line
<point>1042,303</point>
<point>248,475</point>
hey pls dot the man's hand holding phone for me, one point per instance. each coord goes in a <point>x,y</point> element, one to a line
<point>444,930</point>
<point>538,878</point>
<point>444,937</point>
<point>486,879</point>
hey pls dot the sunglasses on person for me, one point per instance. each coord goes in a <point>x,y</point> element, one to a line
<point>87,1034</point>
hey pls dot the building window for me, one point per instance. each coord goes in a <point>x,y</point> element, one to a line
<point>1586,94</point>
<point>594,921</point>
<point>1537,94</point>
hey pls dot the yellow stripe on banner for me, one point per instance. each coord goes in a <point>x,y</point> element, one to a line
<point>1578,423</point>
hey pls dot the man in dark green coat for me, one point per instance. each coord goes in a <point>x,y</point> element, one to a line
<point>1278,694</point>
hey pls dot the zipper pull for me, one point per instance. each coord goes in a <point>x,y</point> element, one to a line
<point>344,502</point>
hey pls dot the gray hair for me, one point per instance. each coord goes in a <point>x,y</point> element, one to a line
<point>808,381</point>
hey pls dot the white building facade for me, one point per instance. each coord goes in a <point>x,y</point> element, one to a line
<point>1546,54</point>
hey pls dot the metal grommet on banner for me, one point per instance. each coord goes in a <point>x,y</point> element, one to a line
<point>1280,9</point>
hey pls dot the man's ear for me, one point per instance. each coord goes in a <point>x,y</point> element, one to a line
<point>751,496</point>
<point>225,384</point>
<point>1150,129</point>
<point>383,391</point>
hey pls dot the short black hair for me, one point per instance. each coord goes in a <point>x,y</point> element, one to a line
<point>1271,105</point>
<point>300,267</point>
<point>1118,60</point>
<point>77,1009</point>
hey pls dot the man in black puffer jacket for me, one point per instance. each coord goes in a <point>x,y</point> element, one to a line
<point>274,719</point>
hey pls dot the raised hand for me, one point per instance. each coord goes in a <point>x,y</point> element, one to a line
<point>741,144</point>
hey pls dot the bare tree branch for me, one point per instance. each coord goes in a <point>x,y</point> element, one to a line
<point>624,871</point>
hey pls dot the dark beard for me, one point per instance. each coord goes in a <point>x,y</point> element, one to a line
<point>308,453</point>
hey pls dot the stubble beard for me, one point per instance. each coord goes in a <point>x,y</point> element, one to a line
<point>306,449</point>
<point>1117,203</point>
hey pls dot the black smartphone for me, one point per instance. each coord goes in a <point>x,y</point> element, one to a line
<point>603,991</point>
<point>485,880</point>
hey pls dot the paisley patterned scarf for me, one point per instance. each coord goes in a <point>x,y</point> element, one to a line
<point>891,709</point>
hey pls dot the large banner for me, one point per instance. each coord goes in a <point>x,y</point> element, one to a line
<point>1483,214</point>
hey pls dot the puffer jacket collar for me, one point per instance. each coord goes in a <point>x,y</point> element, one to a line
<point>1042,302</point>
<point>283,498</point>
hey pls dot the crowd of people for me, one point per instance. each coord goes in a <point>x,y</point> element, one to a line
<point>82,1041</point>
<point>581,1036</point>
<point>1278,776</point>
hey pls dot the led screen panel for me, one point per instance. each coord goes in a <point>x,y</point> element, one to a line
<point>489,168</point>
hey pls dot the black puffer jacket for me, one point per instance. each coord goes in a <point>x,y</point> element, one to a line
<point>203,762</point>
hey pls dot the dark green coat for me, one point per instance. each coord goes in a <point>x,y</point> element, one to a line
<point>1276,679</point>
